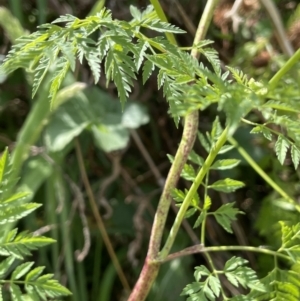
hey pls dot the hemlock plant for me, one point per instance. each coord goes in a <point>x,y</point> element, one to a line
<point>125,51</point>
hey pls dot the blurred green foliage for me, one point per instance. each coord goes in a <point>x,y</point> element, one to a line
<point>43,148</point>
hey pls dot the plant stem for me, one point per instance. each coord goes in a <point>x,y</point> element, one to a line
<point>98,218</point>
<point>151,265</point>
<point>258,169</point>
<point>201,249</point>
<point>282,71</point>
<point>199,178</point>
<point>160,12</point>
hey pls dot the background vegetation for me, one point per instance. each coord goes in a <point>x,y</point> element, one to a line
<point>125,153</point>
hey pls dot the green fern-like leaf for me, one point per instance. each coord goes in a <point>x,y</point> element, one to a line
<point>15,246</point>
<point>225,215</point>
<point>295,152</point>
<point>281,147</point>
<point>226,185</point>
<point>20,245</point>
<point>239,76</point>
<point>41,287</point>
<point>61,71</point>
<point>238,274</point>
<point>209,289</point>
<point>41,50</point>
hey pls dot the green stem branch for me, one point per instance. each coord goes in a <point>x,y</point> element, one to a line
<point>282,71</point>
<point>199,178</point>
<point>202,249</point>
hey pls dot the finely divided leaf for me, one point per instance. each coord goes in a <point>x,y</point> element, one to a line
<point>209,289</point>
<point>225,148</point>
<point>281,147</point>
<point>199,220</point>
<point>16,292</point>
<point>160,26</point>
<point>60,74</point>
<point>225,164</point>
<point>188,172</point>
<point>9,214</point>
<point>195,158</point>
<point>295,153</point>
<point>15,197</point>
<point>3,164</point>
<point>136,14</point>
<point>147,70</point>
<point>22,244</point>
<point>21,270</point>
<point>225,215</point>
<point>227,185</point>
<point>264,130</point>
<point>5,265</point>
<point>141,47</point>
<point>178,195</point>
<point>40,73</point>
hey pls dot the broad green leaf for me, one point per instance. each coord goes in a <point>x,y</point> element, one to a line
<point>134,116</point>
<point>35,172</point>
<point>225,215</point>
<point>225,164</point>
<point>109,125</point>
<point>110,138</point>
<point>68,121</point>
<point>281,147</point>
<point>11,25</point>
<point>226,185</point>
